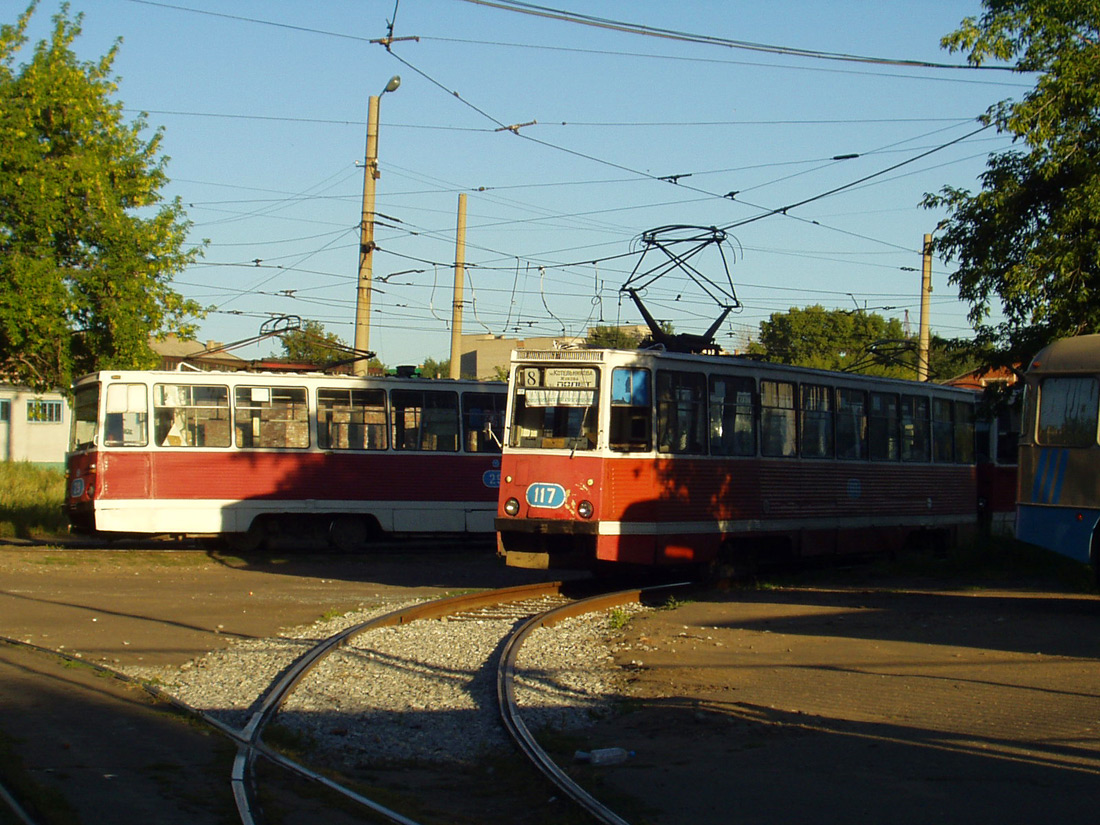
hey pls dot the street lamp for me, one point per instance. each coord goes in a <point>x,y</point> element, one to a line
<point>366,230</point>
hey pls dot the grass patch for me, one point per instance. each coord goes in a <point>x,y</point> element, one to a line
<point>617,619</point>
<point>31,500</point>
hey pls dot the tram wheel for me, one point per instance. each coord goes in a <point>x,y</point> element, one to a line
<point>249,541</point>
<point>348,534</point>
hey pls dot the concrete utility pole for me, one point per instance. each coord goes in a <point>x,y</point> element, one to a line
<point>925,296</point>
<point>366,231</point>
<point>460,277</point>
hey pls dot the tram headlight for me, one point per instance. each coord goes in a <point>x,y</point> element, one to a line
<point>584,509</point>
<point>511,507</point>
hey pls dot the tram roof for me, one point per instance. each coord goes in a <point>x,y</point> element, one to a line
<point>605,355</point>
<point>1078,354</point>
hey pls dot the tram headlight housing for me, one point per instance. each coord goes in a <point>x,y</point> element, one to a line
<point>584,509</point>
<point>511,507</point>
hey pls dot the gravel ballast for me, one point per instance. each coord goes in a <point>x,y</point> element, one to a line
<point>423,691</point>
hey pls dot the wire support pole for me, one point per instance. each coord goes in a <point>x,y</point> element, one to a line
<point>460,277</point>
<point>366,238</point>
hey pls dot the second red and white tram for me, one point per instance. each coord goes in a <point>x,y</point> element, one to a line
<point>250,456</point>
<point>656,458</point>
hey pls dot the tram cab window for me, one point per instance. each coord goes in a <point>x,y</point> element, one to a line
<point>882,427</point>
<point>915,429</point>
<point>631,410</point>
<point>732,423</point>
<point>126,416</point>
<point>778,425</point>
<point>1068,408</point>
<point>275,417</point>
<point>425,420</point>
<point>816,422</point>
<point>681,412</point>
<point>351,419</point>
<point>187,415</point>
<point>555,408</point>
<point>483,421</point>
<point>851,424</point>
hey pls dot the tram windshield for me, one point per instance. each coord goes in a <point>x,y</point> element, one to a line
<point>555,408</point>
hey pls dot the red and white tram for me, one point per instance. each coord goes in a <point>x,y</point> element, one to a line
<point>653,457</point>
<point>253,455</point>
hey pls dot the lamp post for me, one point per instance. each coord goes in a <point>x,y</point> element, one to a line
<point>366,230</point>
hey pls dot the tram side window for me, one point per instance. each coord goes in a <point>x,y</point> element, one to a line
<point>631,415</point>
<point>732,423</point>
<point>915,441</point>
<point>964,432</point>
<point>681,412</point>
<point>851,424</point>
<point>1068,409</point>
<point>351,419</point>
<point>425,420</point>
<point>126,416</point>
<point>483,421</point>
<point>882,427</point>
<point>187,415</point>
<point>817,422</point>
<point>85,419</point>
<point>777,419</point>
<point>275,417</point>
<point>943,430</point>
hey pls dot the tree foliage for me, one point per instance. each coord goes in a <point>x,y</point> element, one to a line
<point>88,247</point>
<point>310,344</point>
<point>1028,244</point>
<point>612,338</point>
<point>833,340</point>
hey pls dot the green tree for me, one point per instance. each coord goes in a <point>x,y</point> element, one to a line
<point>88,247</point>
<point>832,340</point>
<point>310,344</point>
<point>612,338</point>
<point>1028,244</point>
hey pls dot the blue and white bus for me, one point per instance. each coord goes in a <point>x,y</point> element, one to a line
<point>1058,487</point>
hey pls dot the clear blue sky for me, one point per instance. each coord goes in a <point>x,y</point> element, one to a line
<point>264,109</point>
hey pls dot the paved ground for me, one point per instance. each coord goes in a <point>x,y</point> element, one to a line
<point>829,701</point>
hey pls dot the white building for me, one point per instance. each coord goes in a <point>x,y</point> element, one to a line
<point>34,426</point>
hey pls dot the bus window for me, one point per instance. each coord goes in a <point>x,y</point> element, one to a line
<point>851,424</point>
<point>681,412</point>
<point>1068,412</point>
<point>191,415</point>
<point>126,419</point>
<point>85,422</point>
<point>483,421</point>
<point>555,408</point>
<point>631,415</point>
<point>943,430</point>
<point>882,427</point>
<point>915,443</point>
<point>732,422</point>
<point>816,422</point>
<point>777,419</point>
<point>964,432</point>
<point>275,417</point>
<point>425,420</point>
<point>351,419</point>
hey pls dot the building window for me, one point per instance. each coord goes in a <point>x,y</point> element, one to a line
<point>44,412</point>
<point>5,410</point>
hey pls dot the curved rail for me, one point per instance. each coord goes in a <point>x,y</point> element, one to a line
<point>250,741</point>
<point>506,693</point>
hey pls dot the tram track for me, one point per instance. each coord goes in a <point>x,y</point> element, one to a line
<point>523,609</point>
<point>529,607</point>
